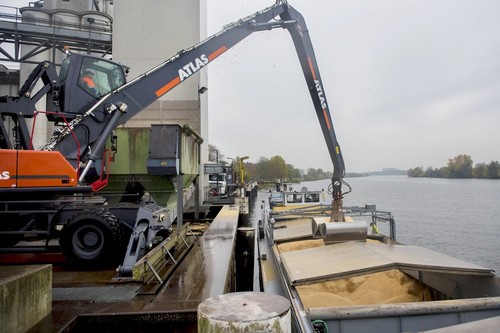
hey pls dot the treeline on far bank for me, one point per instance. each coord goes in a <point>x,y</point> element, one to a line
<point>268,169</point>
<point>276,169</point>
<point>460,166</point>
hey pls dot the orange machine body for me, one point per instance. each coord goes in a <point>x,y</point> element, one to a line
<point>30,168</point>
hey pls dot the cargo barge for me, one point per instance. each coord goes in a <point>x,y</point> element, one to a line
<point>348,277</point>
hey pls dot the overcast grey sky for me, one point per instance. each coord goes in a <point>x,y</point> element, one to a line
<point>409,83</point>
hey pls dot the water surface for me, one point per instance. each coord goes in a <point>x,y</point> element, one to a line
<point>458,217</point>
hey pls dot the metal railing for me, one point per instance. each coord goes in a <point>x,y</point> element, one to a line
<point>81,32</point>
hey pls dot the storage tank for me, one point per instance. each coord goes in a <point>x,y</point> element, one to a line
<point>96,21</point>
<point>65,18</point>
<point>76,5</point>
<point>37,16</point>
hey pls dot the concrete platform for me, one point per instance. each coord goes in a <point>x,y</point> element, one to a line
<point>25,296</point>
<point>92,302</point>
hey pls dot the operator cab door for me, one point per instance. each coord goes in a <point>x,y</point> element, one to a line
<point>75,97</point>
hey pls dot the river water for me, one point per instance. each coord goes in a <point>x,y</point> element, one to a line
<point>457,217</point>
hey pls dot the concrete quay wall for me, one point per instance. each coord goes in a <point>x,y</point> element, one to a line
<point>25,296</point>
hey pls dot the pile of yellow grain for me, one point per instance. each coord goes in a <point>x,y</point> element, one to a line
<point>391,286</point>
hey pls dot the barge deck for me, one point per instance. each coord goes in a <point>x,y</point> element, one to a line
<point>96,301</point>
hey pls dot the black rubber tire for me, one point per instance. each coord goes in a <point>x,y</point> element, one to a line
<point>92,238</point>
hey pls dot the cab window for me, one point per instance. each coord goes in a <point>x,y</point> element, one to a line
<point>312,197</point>
<point>100,77</point>
<point>294,198</point>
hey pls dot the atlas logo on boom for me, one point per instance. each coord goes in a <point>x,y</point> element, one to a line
<point>4,175</point>
<point>321,95</point>
<point>193,67</point>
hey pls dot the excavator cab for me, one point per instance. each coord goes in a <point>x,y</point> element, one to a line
<point>83,80</point>
<point>68,95</point>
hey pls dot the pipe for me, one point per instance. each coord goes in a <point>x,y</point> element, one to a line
<point>101,141</point>
<point>405,309</point>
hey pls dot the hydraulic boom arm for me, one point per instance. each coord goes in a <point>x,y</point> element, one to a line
<point>133,97</point>
<point>305,51</point>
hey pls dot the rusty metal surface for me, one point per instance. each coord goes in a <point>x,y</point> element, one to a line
<point>352,258</point>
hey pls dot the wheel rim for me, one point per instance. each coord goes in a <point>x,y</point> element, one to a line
<point>88,241</point>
